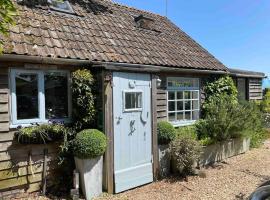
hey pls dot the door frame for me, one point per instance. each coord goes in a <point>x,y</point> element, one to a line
<point>108,168</point>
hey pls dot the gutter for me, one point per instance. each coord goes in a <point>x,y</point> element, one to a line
<point>151,68</point>
<point>248,75</point>
<point>107,65</point>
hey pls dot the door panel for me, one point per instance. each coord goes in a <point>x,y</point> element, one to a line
<point>132,130</point>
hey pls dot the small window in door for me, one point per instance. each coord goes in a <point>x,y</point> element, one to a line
<point>132,101</point>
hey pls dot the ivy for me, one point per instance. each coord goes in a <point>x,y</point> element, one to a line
<point>83,99</point>
<point>7,14</point>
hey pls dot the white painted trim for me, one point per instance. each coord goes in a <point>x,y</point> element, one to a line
<point>124,100</point>
<point>41,98</point>
<point>190,89</point>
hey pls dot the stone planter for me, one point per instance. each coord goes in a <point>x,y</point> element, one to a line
<point>90,176</point>
<point>164,160</point>
<point>223,150</point>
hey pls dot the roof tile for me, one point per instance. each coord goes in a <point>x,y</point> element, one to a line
<point>105,31</point>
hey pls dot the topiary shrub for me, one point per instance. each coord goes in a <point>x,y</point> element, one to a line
<point>89,143</point>
<point>166,132</point>
<point>185,153</point>
<point>186,131</point>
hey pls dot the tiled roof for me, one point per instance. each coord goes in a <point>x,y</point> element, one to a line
<point>101,30</point>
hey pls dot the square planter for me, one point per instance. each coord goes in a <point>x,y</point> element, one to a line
<point>164,160</point>
<point>90,176</point>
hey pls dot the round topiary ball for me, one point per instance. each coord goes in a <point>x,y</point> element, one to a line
<point>166,132</point>
<point>89,143</point>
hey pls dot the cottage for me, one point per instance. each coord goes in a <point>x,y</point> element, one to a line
<point>147,70</point>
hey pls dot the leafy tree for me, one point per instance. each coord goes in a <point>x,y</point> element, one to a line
<point>7,14</point>
<point>266,102</point>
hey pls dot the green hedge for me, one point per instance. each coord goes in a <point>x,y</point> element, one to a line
<point>166,132</point>
<point>89,143</point>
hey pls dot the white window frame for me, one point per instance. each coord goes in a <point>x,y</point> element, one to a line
<point>124,101</point>
<point>41,98</point>
<point>184,122</point>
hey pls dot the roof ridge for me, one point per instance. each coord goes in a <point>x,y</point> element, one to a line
<point>133,8</point>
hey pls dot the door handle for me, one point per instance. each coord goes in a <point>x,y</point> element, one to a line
<point>144,120</point>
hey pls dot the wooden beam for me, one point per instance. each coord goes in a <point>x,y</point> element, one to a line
<point>154,128</point>
<point>108,129</point>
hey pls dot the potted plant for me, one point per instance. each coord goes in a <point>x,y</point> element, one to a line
<point>166,133</point>
<point>88,148</point>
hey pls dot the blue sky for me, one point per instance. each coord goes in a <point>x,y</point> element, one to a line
<point>237,32</point>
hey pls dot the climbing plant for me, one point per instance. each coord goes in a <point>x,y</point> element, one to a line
<point>83,98</point>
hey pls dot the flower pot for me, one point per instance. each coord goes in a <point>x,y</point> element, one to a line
<point>164,160</point>
<point>90,176</point>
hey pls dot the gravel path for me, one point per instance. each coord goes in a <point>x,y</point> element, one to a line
<point>235,178</point>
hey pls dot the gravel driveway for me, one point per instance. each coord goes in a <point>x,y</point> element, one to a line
<point>235,178</point>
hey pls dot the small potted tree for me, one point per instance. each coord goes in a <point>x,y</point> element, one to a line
<point>166,133</point>
<point>88,147</point>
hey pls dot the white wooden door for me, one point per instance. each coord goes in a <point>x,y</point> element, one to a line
<point>132,130</point>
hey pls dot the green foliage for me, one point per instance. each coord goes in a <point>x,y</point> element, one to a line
<point>40,134</point>
<point>166,132</point>
<point>265,104</point>
<point>7,14</point>
<point>83,101</point>
<point>224,120</point>
<point>186,131</point>
<point>217,89</point>
<point>89,143</point>
<point>185,153</point>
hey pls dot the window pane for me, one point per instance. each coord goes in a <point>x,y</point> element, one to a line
<point>27,96</point>
<point>195,104</point>
<point>138,100</point>
<point>187,105</point>
<point>195,115</point>
<point>56,95</point>
<point>187,95</point>
<point>171,95</point>
<point>171,117</point>
<point>133,100</point>
<point>180,95</point>
<point>187,115</point>
<point>180,105</point>
<point>171,105</point>
<point>180,116</point>
<point>195,95</point>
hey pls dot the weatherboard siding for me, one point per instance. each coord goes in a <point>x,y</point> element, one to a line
<point>255,91</point>
<point>21,165</point>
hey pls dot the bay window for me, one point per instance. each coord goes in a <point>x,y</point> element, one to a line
<point>38,96</point>
<point>183,100</point>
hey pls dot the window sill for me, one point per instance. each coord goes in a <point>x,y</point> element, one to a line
<point>184,123</point>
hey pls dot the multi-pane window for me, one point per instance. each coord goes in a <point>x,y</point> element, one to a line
<point>183,100</point>
<point>39,96</point>
<point>132,101</point>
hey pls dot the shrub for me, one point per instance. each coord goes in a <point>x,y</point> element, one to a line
<point>185,153</point>
<point>166,132</point>
<point>186,131</point>
<point>40,134</point>
<point>83,104</point>
<point>224,120</point>
<point>217,89</point>
<point>89,143</point>
<point>265,104</point>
